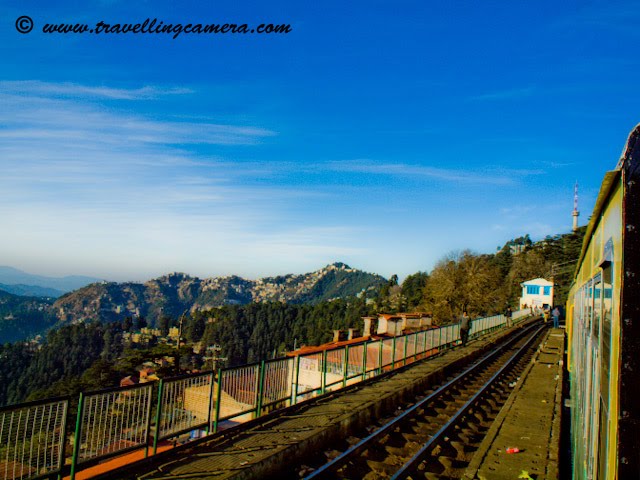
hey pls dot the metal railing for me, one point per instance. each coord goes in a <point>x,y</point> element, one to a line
<point>33,436</point>
<point>111,422</point>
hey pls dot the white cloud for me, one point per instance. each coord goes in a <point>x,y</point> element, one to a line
<point>507,94</point>
<point>74,90</point>
<point>485,177</point>
<point>68,122</point>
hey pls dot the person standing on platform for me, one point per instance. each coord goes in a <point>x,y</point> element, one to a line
<point>556,317</point>
<point>546,314</point>
<point>465,326</point>
<point>508,314</point>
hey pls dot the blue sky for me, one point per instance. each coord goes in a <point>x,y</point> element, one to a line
<point>380,134</point>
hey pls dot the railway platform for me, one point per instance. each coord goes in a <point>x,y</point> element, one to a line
<point>524,440</point>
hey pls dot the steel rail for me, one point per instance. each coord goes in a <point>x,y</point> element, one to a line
<point>411,466</point>
<point>341,460</point>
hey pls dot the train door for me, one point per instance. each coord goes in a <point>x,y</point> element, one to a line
<point>593,410</point>
<point>576,383</point>
<point>605,363</point>
<point>583,467</point>
<point>582,383</point>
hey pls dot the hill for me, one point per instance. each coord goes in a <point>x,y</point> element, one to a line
<point>31,290</point>
<point>171,295</point>
<point>23,317</point>
<point>13,277</point>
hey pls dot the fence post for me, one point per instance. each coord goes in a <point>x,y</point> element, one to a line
<point>346,366</point>
<point>294,400</point>
<point>424,349</point>
<point>158,416</point>
<point>211,390</point>
<point>381,343</point>
<point>65,432</point>
<point>404,353</point>
<point>364,359</point>
<point>260,390</point>
<point>393,354</point>
<point>148,428</point>
<point>323,382</point>
<point>415,347</point>
<point>218,397</point>
<point>77,434</point>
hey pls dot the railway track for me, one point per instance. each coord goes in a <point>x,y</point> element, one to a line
<point>435,438</point>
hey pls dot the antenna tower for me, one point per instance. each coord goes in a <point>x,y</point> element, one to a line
<point>575,213</point>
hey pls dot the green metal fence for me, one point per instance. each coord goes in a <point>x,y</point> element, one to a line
<point>32,438</point>
<point>184,404</point>
<point>114,421</point>
<point>111,422</point>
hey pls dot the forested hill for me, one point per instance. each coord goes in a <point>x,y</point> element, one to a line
<point>22,317</point>
<point>172,295</point>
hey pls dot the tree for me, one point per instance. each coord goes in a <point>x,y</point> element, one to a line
<point>164,322</point>
<point>463,281</point>
<point>141,323</point>
<point>195,328</point>
<point>127,324</point>
<point>526,266</point>
<point>413,289</point>
<point>112,339</point>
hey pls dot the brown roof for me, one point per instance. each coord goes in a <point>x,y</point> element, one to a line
<point>129,380</point>
<point>405,315</point>
<point>331,345</point>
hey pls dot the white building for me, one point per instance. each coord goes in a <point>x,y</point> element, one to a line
<point>536,293</point>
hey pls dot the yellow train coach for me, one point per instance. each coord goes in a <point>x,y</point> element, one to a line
<point>603,328</point>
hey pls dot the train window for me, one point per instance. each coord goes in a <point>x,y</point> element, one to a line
<point>605,340</point>
<point>588,307</point>
<point>580,303</point>
<point>597,304</point>
<point>584,306</point>
<point>578,308</point>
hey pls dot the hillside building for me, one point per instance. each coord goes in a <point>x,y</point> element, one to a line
<point>536,293</point>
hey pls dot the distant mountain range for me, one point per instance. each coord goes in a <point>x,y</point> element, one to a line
<point>176,293</point>
<point>31,290</point>
<point>18,282</point>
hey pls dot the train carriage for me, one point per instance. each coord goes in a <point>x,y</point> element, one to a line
<point>603,329</point>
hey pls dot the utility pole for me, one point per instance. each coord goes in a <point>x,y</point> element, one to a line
<point>180,328</point>
<point>178,341</point>
<point>214,356</point>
